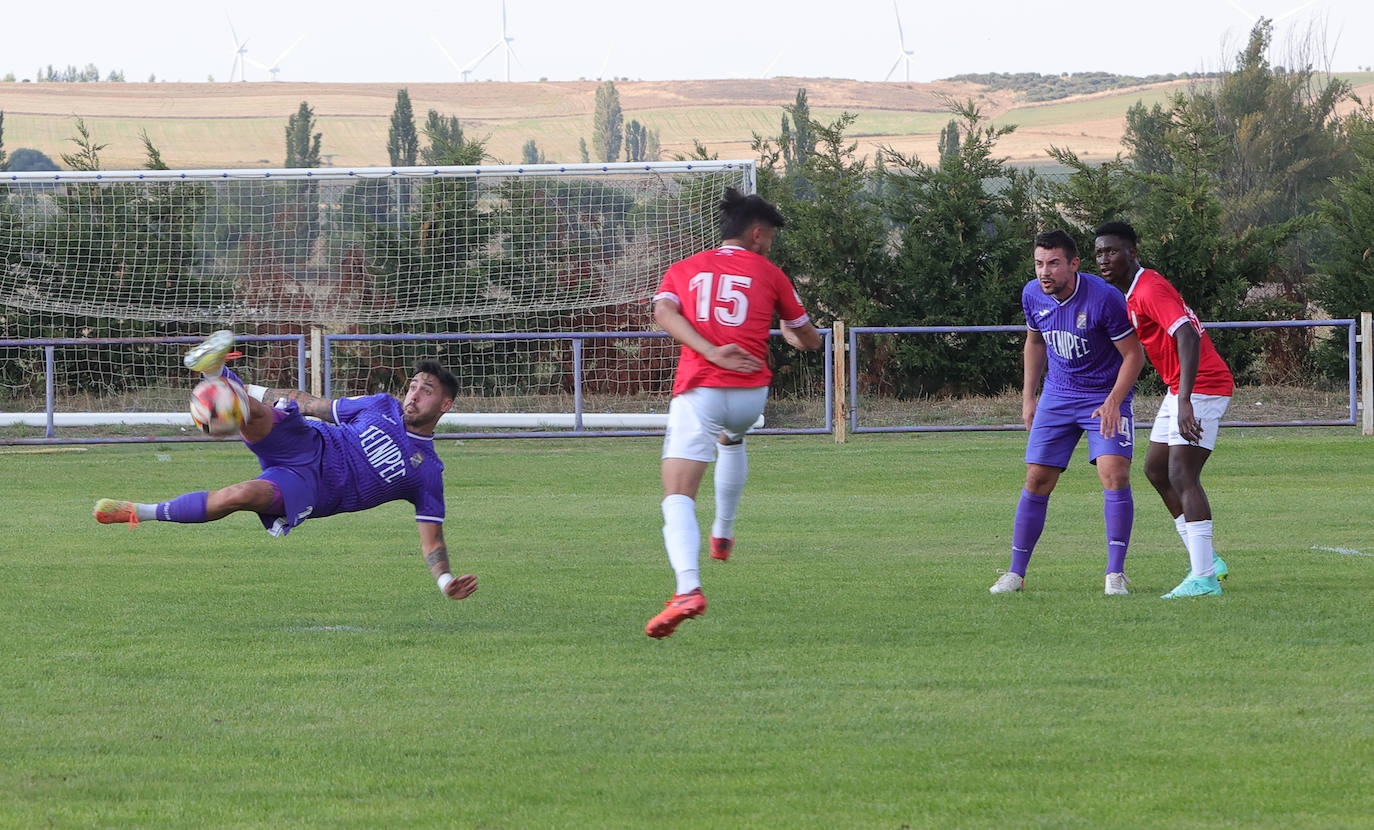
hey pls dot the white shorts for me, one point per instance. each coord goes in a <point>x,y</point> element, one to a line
<point>697,417</point>
<point>1208,409</point>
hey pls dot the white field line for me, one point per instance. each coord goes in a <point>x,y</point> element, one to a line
<point>1342,551</point>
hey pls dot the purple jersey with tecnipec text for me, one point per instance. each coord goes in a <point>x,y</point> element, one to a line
<point>370,458</point>
<point>1080,334</point>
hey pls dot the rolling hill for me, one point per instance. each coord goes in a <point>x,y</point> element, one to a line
<point>212,125</point>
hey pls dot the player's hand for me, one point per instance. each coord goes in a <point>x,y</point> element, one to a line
<point>735,358</point>
<point>1110,419</point>
<point>1188,424</point>
<point>1028,413</point>
<point>461,587</point>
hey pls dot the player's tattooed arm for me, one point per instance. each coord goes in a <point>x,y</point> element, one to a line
<point>312,405</point>
<point>437,560</point>
<point>436,557</point>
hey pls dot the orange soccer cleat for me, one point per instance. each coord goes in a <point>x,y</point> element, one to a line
<point>720,548</point>
<point>679,608</point>
<point>111,512</point>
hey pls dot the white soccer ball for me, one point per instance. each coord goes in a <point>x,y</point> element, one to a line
<point>219,406</point>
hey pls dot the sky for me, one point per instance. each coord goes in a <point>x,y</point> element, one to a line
<point>563,40</point>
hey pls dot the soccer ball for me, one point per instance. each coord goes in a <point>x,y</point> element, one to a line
<point>219,406</point>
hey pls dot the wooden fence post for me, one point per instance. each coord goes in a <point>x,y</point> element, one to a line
<point>840,344</point>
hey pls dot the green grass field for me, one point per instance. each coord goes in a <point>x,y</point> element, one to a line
<point>852,671</point>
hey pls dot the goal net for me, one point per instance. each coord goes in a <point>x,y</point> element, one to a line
<point>100,273</point>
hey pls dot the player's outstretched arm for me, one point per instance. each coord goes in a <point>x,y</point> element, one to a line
<point>312,405</point>
<point>804,336</point>
<point>436,557</point>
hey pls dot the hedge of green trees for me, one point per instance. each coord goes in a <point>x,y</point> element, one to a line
<point>1253,192</point>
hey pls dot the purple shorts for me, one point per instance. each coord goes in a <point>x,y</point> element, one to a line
<point>1061,420</point>
<point>290,459</point>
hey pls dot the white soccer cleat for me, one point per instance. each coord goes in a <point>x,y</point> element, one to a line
<point>1007,583</point>
<point>1116,585</point>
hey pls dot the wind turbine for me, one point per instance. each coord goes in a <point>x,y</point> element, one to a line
<point>504,42</point>
<point>276,64</point>
<point>1252,17</point>
<point>774,62</point>
<point>904,54</point>
<point>240,52</point>
<point>464,72</point>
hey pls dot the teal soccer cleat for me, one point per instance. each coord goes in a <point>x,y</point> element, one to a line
<point>1218,567</point>
<point>1195,586</point>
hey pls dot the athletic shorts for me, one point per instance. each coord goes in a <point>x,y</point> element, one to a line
<point>1208,409</point>
<point>290,458</point>
<point>698,417</point>
<point>1061,420</point>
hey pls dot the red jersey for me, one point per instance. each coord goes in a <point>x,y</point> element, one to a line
<point>730,296</point>
<point>1157,310</point>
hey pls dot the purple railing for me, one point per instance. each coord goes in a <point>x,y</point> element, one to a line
<point>577,339</point>
<point>50,346</point>
<point>853,380</point>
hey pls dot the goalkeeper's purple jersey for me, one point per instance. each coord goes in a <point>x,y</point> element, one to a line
<point>1080,334</point>
<point>370,458</point>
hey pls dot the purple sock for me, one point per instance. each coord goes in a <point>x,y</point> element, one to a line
<point>226,372</point>
<point>1026,529</point>
<point>1118,509</point>
<point>186,509</point>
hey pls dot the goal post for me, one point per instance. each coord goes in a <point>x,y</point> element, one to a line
<point>149,257</point>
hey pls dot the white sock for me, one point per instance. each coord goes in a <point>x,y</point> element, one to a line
<point>732,470</point>
<point>146,512</point>
<point>1200,547</point>
<point>682,538</point>
<point>1181,525</point>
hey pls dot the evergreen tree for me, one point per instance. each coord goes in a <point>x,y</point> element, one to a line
<point>154,161</point>
<point>1092,194</point>
<point>798,142</point>
<point>962,253</point>
<point>1144,138</point>
<point>1346,285</point>
<point>445,139</point>
<point>637,140</point>
<point>402,141</point>
<point>87,155</point>
<point>949,140</point>
<point>607,123</point>
<point>582,150</point>
<point>531,154</point>
<point>834,241</point>
<point>2,139</point>
<point>302,142</point>
<point>1282,135</point>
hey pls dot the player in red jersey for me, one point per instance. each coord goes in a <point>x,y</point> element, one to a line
<point>719,305</point>
<point>1200,387</point>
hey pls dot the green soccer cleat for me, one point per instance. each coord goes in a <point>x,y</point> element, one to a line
<point>1195,586</point>
<point>1218,567</point>
<point>208,356</point>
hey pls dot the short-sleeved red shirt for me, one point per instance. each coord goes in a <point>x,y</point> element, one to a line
<point>730,296</point>
<point>1157,310</point>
